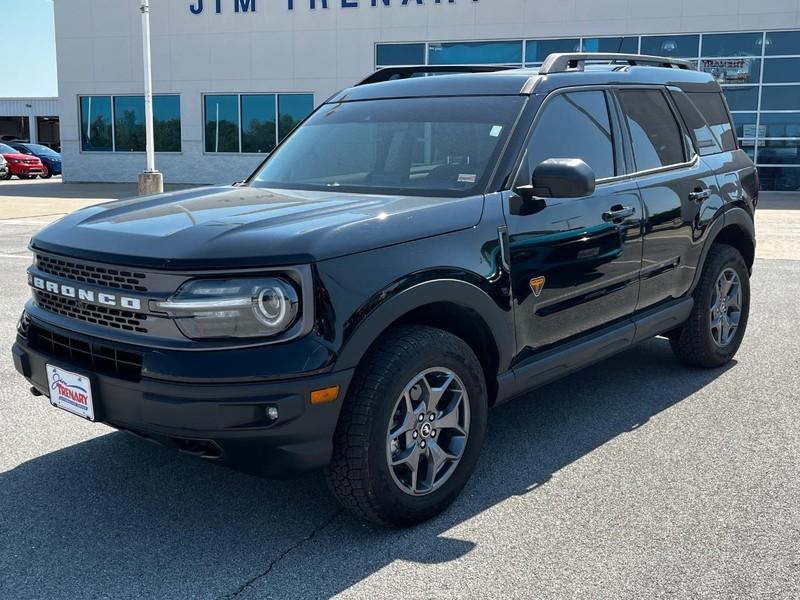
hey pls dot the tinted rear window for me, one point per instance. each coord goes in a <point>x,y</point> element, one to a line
<point>704,139</point>
<point>655,134</point>
<point>712,107</point>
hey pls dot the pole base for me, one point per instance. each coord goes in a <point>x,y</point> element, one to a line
<point>151,182</point>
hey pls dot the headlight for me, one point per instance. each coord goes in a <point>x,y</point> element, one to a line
<point>233,308</point>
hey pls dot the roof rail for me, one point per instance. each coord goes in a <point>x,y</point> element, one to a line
<point>575,61</point>
<point>390,73</point>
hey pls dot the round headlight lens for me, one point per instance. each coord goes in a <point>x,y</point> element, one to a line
<point>274,303</point>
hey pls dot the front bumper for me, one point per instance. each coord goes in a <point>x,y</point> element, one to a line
<point>223,422</point>
<point>20,169</point>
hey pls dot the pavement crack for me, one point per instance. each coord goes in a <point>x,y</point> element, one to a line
<point>307,538</point>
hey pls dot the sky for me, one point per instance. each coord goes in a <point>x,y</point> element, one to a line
<point>28,31</point>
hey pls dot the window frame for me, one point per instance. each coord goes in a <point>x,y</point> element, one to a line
<point>114,150</point>
<point>619,158</point>
<point>690,154</point>
<point>238,96</point>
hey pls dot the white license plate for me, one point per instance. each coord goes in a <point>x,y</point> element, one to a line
<point>70,391</point>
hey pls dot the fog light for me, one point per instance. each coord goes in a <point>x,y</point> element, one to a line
<point>328,394</point>
<point>272,413</point>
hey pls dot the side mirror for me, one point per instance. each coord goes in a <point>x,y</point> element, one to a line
<point>561,178</point>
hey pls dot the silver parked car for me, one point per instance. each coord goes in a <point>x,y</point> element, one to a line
<point>3,167</point>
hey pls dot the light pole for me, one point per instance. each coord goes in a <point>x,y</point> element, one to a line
<point>150,181</point>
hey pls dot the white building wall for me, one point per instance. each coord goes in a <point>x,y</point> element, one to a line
<point>319,51</point>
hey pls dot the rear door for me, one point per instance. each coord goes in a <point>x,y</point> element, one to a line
<point>678,189</point>
<point>574,261</point>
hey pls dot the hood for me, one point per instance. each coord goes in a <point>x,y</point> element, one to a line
<point>250,227</point>
<point>20,156</point>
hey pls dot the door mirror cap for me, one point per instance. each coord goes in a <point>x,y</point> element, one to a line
<point>562,178</point>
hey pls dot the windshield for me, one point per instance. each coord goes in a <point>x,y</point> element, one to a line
<point>413,146</point>
<point>39,149</point>
<point>4,149</point>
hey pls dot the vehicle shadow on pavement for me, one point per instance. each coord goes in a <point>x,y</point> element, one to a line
<point>118,517</point>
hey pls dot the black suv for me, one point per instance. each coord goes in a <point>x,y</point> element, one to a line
<point>420,249</point>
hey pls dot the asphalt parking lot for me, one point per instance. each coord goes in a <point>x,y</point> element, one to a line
<point>637,478</point>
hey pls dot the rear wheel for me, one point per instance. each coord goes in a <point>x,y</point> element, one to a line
<point>411,428</point>
<point>46,172</point>
<point>715,329</point>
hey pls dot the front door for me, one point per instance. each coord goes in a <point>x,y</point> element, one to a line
<point>574,261</point>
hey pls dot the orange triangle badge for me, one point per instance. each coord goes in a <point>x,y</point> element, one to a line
<point>537,285</point>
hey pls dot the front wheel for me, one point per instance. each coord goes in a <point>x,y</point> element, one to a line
<point>411,427</point>
<point>8,175</point>
<point>46,173</point>
<point>715,329</point>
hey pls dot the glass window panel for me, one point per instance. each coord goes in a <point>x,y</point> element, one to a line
<point>457,53</point>
<point>780,97</point>
<point>96,124</point>
<point>612,44</point>
<point>780,179</point>
<point>574,125</point>
<point>780,124</point>
<point>782,70</point>
<point>782,43</point>
<point>732,70</point>
<point>732,44</point>
<point>742,97</point>
<point>167,123</point>
<point>222,123</point>
<point>400,54</point>
<point>655,135</point>
<point>539,50</point>
<point>779,152</point>
<point>258,123</point>
<point>716,115</point>
<point>703,138</point>
<point>678,46</point>
<point>745,124</point>
<point>293,108</point>
<point>129,134</point>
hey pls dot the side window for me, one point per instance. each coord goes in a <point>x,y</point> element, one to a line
<point>712,107</point>
<point>573,125</point>
<point>703,137</point>
<point>655,134</point>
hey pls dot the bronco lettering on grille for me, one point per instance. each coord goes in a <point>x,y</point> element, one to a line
<point>69,291</point>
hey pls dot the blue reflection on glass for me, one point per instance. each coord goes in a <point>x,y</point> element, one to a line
<point>457,53</point>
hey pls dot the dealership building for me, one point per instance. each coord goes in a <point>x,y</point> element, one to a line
<point>232,77</point>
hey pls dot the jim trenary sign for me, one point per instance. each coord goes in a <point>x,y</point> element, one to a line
<point>246,6</point>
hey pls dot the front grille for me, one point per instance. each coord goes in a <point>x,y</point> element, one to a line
<point>99,315</point>
<point>95,357</point>
<point>91,274</point>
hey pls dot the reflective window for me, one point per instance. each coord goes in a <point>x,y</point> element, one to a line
<point>655,135</point>
<point>749,147</point>
<point>537,51</point>
<point>780,179</point>
<point>96,118</point>
<point>742,97</point>
<point>457,53</point>
<point>292,109</point>
<point>222,123</point>
<point>780,124</point>
<point>628,45</point>
<point>779,152</point>
<point>745,124</point>
<point>732,70</point>
<point>167,123</point>
<point>129,128</point>
<point>702,136</point>
<point>780,97</point>
<point>732,44</point>
<point>782,70</point>
<point>258,123</point>
<point>400,54</point>
<point>781,43</point>
<point>716,115</point>
<point>678,46</point>
<point>573,125</point>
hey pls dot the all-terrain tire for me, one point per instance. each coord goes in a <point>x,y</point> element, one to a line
<point>359,474</point>
<point>693,343</point>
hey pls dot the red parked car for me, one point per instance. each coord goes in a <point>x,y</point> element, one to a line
<point>23,166</point>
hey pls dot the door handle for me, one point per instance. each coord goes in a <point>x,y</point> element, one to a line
<point>617,212</point>
<point>700,195</point>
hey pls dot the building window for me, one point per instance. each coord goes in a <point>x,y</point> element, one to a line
<point>626,45</point>
<point>732,44</point>
<point>782,43</point>
<point>96,124</point>
<point>677,46</point>
<point>536,51</point>
<point>400,54</point>
<point>116,123</point>
<point>732,71</point>
<point>252,123</point>
<point>488,53</point>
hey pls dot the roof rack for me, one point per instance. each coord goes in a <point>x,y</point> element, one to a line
<point>576,61</point>
<point>390,73</point>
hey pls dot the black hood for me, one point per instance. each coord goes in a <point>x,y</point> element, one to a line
<point>219,227</point>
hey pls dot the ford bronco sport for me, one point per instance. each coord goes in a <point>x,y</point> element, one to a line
<point>420,249</point>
